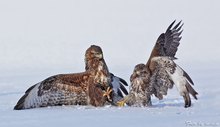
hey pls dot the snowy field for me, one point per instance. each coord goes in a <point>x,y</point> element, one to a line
<point>167,112</point>
<point>46,37</point>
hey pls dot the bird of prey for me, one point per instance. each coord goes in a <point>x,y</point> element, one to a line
<point>116,85</point>
<point>86,88</point>
<point>160,72</point>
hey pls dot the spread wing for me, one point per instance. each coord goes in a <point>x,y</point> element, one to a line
<point>64,89</point>
<point>166,45</point>
<point>159,79</point>
<point>168,42</point>
<point>165,74</point>
<point>118,85</point>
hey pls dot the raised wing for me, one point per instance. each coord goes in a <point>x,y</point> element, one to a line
<point>168,42</point>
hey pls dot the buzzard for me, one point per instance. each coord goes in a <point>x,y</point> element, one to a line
<point>160,72</point>
<point>86,88</point>
<point>116,84</point>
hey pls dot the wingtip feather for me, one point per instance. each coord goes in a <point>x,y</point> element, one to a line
<point>177,25</point>
<point>123,89</point>
<point>20,103</point>
<point>170,26</point>
<point>123,81</point>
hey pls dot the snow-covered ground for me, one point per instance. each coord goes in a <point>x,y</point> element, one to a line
<point>168,112</point>
<point>46,37</point>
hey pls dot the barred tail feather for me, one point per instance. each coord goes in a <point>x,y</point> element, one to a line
<point>183,83</point>
<point>187,100</point>
<point>191,90</point>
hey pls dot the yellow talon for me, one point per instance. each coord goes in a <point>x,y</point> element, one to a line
<point>107,93</point>
<point>121,103</point>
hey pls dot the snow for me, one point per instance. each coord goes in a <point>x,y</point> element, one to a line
<point>167,112</point>
<point>43,38</point>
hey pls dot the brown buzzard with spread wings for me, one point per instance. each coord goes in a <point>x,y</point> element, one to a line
<point>86,88</point>
<point>160,72</point>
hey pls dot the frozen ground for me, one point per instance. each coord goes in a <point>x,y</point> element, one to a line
<point>46,37</point>
<point>166,113</point>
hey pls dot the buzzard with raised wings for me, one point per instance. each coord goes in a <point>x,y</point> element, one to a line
<point>160,72</point>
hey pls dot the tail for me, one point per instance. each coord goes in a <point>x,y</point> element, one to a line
<point>183,83</point>
<point>188,90</point>
<point>191,90</point>
<point>187,99</point>
<point>186,96</point>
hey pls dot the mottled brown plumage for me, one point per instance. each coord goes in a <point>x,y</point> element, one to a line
<point>160,71</point>
<point>84,88</point>
<point>140,90</point>
<point>107,79</point>
<point>102,78</point>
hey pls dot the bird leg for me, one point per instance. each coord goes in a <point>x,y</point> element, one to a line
<point>122,102</point>
<point>107,93</point>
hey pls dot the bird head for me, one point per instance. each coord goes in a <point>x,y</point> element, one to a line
<point>94,58</point>
<point>140,70</point>
<point>94,52</point>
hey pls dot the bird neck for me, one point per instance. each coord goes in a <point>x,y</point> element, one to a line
<point>99,70</point>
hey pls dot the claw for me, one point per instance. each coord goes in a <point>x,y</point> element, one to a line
<point>107,93</point>
<point>121,103</point>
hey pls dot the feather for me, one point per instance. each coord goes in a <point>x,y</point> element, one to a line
<point>161,72</point>
<point>191,90</point>
<point>168,42</point>
<point>187,100</point>
<point>187,77</point>
<point>122,88</point>
<point>71,89</point>
<point>118,84</point>
<point>123,81</point>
